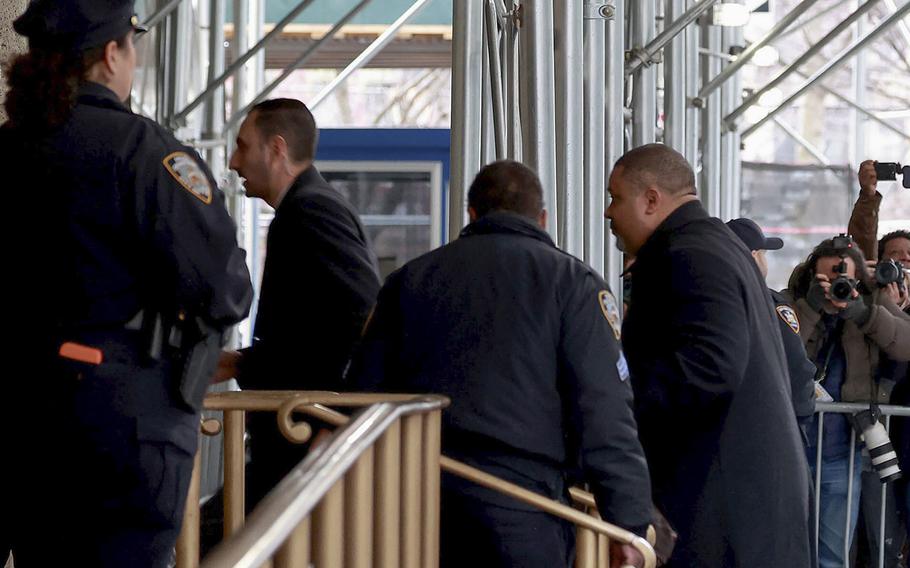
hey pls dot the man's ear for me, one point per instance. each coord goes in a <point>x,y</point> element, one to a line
<point>278,145</point>
<point>653,199</point>
<point>542,219</point>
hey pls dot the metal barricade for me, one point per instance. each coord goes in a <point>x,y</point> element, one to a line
<point>826,408</point>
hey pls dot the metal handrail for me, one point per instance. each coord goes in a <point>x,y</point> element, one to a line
<point>579,518</point>
<point>297,495</point>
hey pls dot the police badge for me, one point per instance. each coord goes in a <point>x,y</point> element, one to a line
<point>608,306</point>
<point>787,314</point>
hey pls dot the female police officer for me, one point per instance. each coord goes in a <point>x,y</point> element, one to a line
<point>125,263</point>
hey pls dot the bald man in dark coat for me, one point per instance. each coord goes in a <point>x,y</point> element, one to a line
<point>712,397</point>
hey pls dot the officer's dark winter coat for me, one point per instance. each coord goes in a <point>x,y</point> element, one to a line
<point>518,334</point>
<point>318,287</point>
<point>713,401</point>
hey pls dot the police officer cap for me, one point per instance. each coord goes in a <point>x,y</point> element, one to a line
<point>750,233</point>
<point>76,25</point>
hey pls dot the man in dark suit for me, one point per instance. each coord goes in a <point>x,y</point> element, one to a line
<point>712,397</point>
<point>524,340</point>
<point>319,282</point>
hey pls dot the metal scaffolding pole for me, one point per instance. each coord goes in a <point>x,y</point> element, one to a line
<point>710,179</point>
<point>615,128</point>
<point>569,56</point>
<point>213,116</point>
<point>467,63</point>
<point>644,79</point>
<point>730,119</point>
<point>730,159</point>
<point>692,84</point>
<point>217,82</point>
<point>746,55</point>
<point>832,65</point>
<point>644,54</point>
<point>371,51</point>
<point>491,25</point>
<point>595,139</point>
<point>675,62</point>
<point>857,120</point>
<point>537,96</point>
<point>297,64</point>
<point>510,86</point>
<point>487,130</point>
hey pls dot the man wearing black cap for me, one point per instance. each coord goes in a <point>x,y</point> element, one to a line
<point>802,371</point>
<point>127,274</point>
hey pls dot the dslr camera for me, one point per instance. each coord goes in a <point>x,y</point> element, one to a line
<point>874,435</point>
<point>842,287</point>
<point>888,272</point>
<point>888,171</point>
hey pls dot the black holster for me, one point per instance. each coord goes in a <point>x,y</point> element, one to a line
<point>201,350</point>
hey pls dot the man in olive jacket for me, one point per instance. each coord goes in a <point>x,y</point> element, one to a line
<point>712,397</point>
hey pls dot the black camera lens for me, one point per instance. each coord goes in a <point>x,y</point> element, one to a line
<point>842,289</point>
<point>888,272</point>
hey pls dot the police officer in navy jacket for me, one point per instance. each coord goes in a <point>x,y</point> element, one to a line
<point>524,340</point>
<point>125,275</point>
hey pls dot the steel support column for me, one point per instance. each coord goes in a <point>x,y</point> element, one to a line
<point>730,160</point>
<point>644,79</point>
<point>495,74</point>
<point>675,62</point>
<point>595,157</point>
<point>692,85</point>
<point>537,97</point>
<point>569,56</point>
<point>615,127</point>
<point>467,64</point>
<point>710,178</point>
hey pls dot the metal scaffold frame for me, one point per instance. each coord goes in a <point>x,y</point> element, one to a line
<point>566,86</point>
<point>607,54</point>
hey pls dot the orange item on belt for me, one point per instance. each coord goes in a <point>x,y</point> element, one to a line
<point>81,353</point>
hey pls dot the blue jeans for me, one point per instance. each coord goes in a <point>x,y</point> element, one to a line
<point>833,536</point>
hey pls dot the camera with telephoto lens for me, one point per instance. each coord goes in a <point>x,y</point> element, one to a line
<point>889,272</point>
<point>888,171</point>
<point>874,435</point>
<point>842,287</point>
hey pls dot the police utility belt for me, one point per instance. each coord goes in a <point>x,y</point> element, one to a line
<point>189,343</point>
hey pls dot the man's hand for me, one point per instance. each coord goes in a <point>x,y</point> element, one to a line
<point>625,555</point>
<point>228,366</point>
<point>868,181</point>
<point>898,294</point>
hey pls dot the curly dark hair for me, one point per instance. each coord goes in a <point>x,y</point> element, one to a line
<point>44,84</point>
<point>899,234</point>
<point>804,273</point>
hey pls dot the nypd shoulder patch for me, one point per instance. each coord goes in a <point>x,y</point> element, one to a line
<point>789,316</point>
<point>608,306</point>
<point>187,172</point>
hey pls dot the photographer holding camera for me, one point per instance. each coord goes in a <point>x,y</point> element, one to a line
<point>890,274</point>
<point>847,324</point>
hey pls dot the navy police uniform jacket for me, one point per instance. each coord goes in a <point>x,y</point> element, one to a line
<point>712,399</point>
<point>523,338</point>
<point>800,368</point>
<point>113,217</point>
<point>319,284</point>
